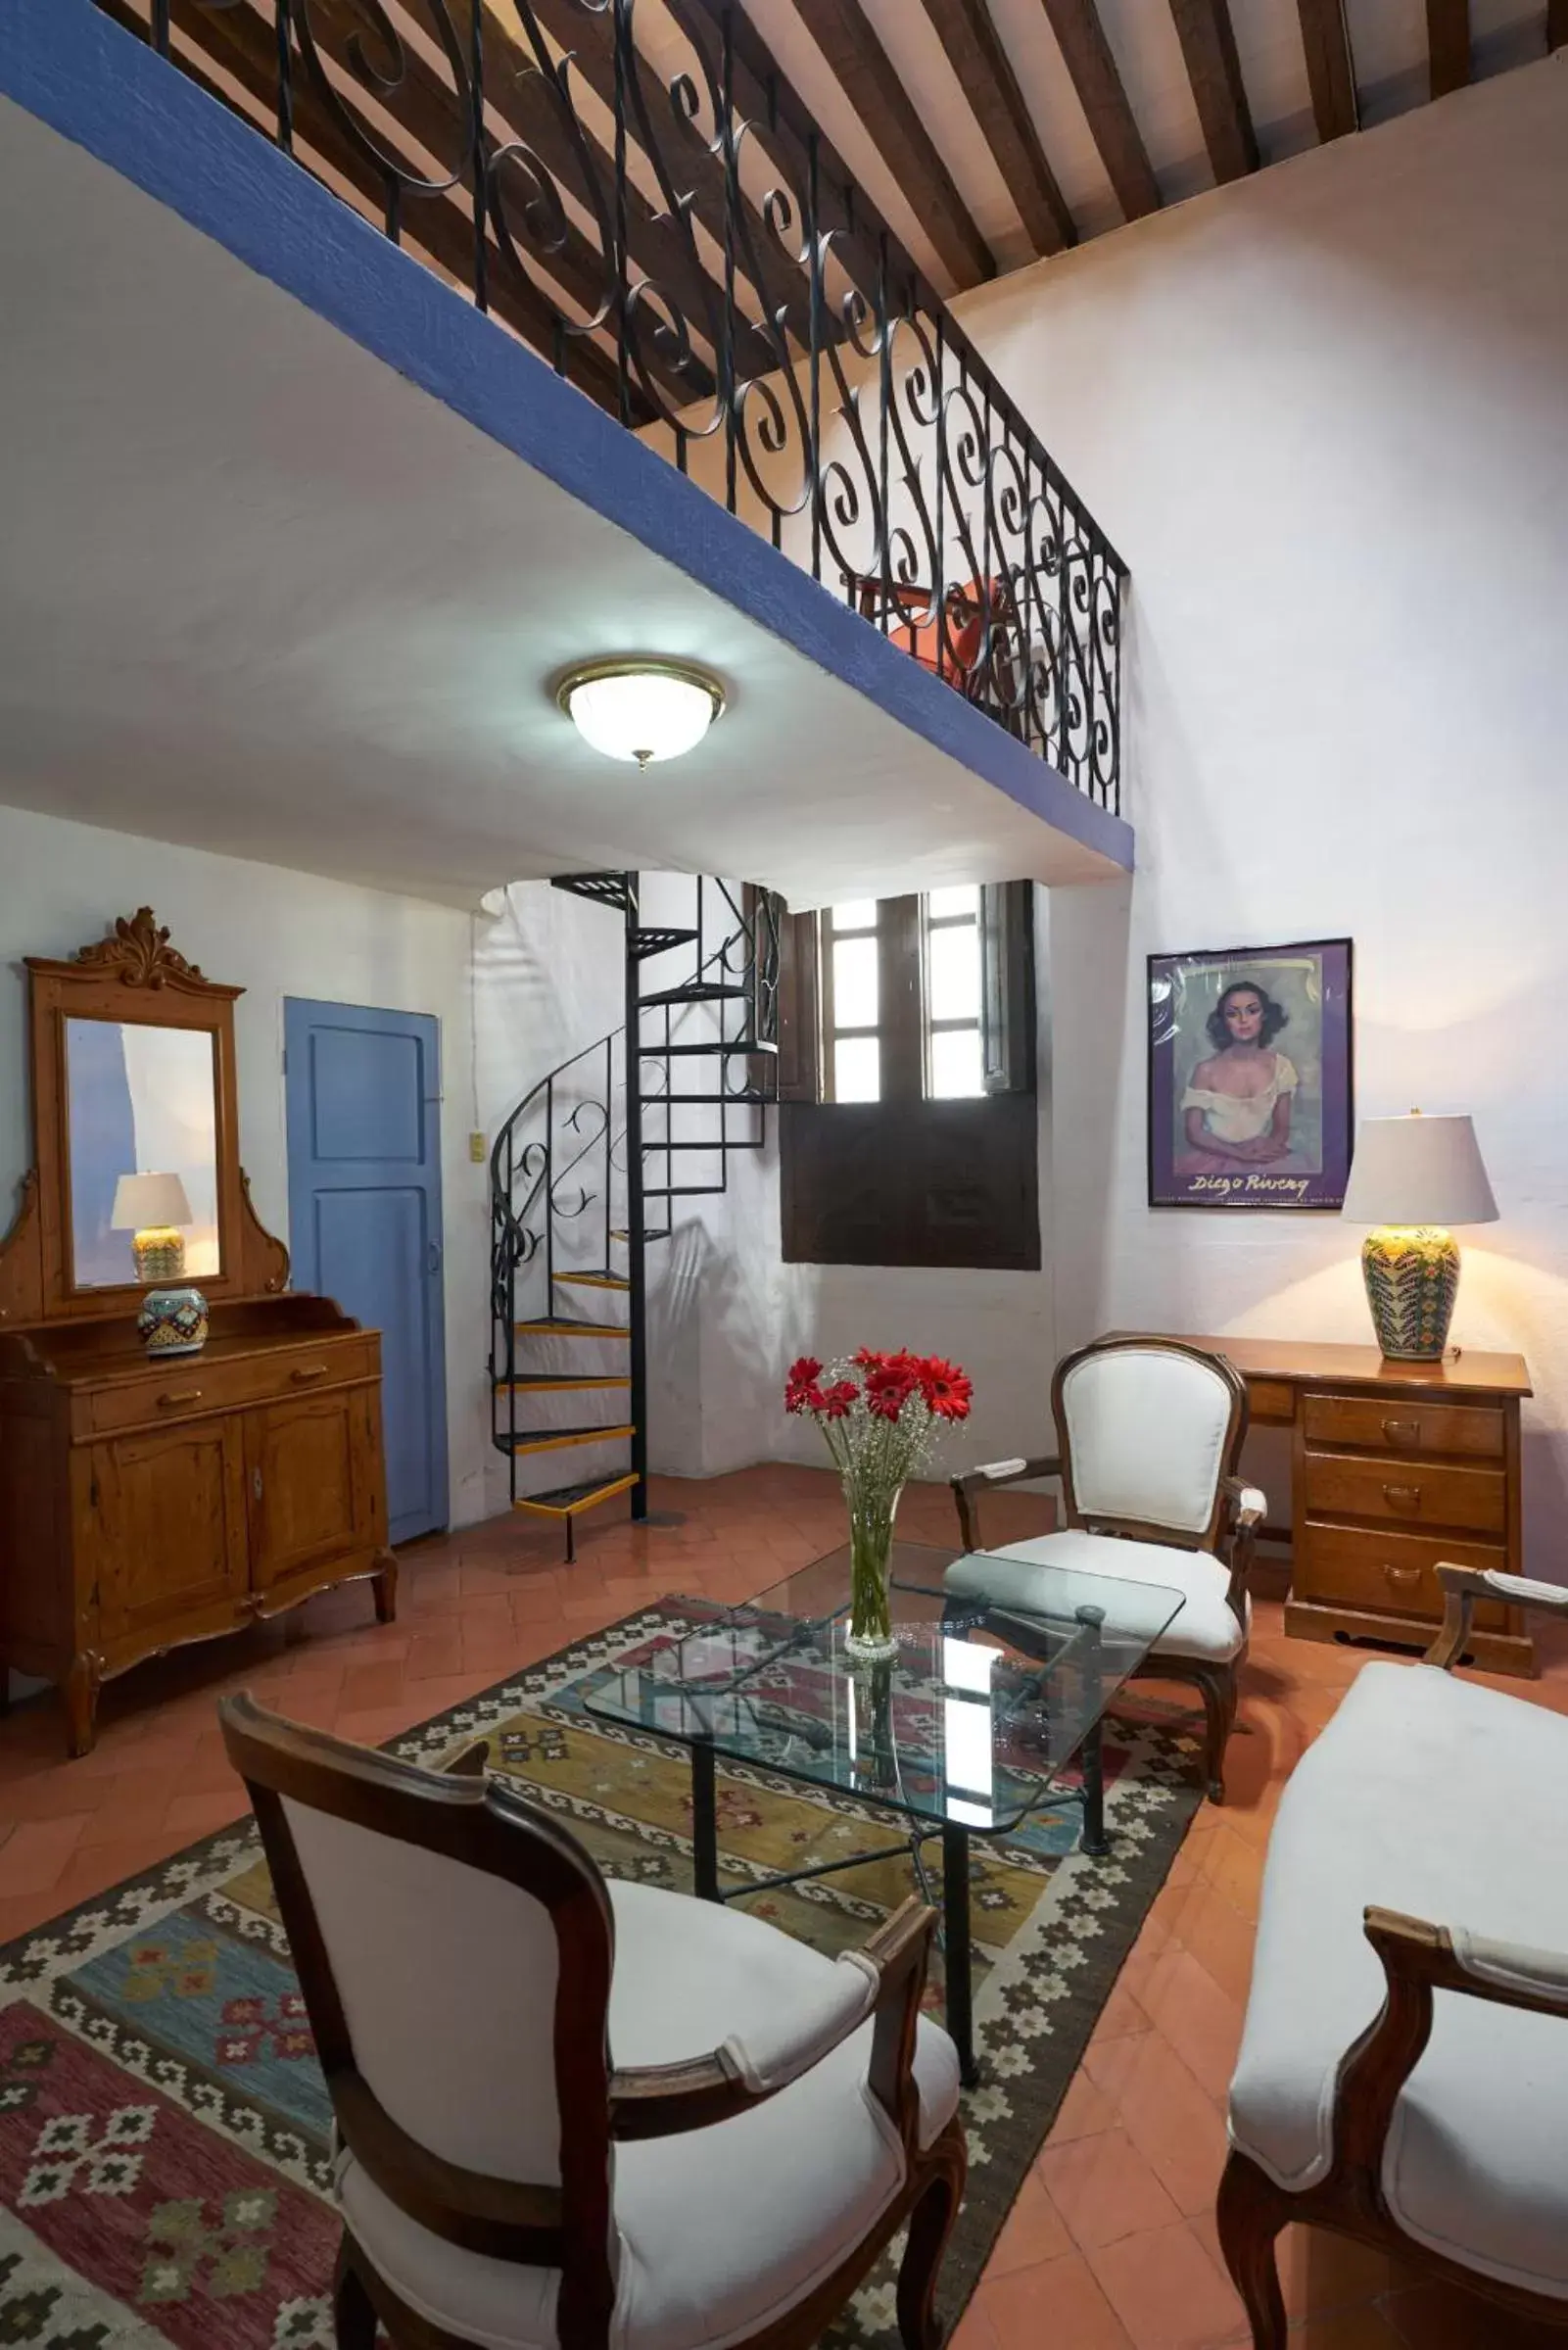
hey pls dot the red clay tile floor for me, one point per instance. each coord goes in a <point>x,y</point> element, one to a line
<point>1111,2245</point>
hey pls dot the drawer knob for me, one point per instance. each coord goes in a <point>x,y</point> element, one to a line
<point>308,1372</point>
<point>1402,1497</point>
<point>172,1397</point>
<point>1401,1574</point>
<point>1403,1431</point>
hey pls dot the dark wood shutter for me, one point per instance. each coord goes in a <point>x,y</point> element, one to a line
<point>1006,986</point>
<point>798,1022</point>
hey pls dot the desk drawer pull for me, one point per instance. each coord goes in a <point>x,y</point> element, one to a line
<point>1401,1574</point>
<point>1402,1497</point>
<point>307,1371</point>
<point>174,1397</point>
<point>1403,1431</point>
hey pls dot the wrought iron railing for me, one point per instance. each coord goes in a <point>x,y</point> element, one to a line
<point>679,239</point>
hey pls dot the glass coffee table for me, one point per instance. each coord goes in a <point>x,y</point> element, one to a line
<point>965,1733</point>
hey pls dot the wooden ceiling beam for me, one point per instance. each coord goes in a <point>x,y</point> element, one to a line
<point>1208,47</point>
<point>1447,44</point>
<point>1330,69</point>
<point>986,77</point>
<point>870,81</point>
<point>1086,53</point>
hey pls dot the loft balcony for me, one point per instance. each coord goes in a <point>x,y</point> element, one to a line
<point>639,205</point>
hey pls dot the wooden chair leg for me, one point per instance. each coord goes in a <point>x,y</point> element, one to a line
<point>1217,1687</point>
<point>931,2224</point>
<point>353,2316</point>
<point>1251,2211</point>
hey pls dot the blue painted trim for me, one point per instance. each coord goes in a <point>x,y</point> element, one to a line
<point>101,87</point>
<point>300,1015</point>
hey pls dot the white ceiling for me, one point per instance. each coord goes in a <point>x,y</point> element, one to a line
<point>262,594</point>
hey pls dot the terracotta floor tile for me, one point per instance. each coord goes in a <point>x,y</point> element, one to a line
<point>1201,2022</point>
<point>1058,2305</point>
<point>1432,2317</point>
<point>1166,2291</point>
<point>1083,2112</point>
<point>1035,2232</point>
<point>36,1853</point>
<point>1104,2188</point>
<point>1173,2123</point>
<point>1121,2013</point>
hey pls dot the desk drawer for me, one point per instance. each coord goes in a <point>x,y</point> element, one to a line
<point>190,1385</point>
<point>1394,1573</point>
<point>1410,1493</point>
<point>1272,1402</point>
<point>1474,1429</point>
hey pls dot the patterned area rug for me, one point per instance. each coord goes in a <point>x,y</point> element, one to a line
<point>164,2126</point>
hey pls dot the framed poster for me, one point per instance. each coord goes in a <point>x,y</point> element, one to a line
<point>1250,1085</point>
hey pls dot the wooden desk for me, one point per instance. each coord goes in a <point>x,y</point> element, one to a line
<point>1394,1467</point>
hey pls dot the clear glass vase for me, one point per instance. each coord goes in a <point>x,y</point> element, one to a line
<point>870,1639</point>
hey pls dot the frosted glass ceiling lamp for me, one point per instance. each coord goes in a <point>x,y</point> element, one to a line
<point>1413,1177</point>
<point>641,711</point>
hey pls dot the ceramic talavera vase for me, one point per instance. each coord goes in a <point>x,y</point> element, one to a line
<point>172,1322</point>
<point>869,1638</point>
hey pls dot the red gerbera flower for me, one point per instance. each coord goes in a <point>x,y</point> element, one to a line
<point>835,1401</point>
<point>801,1392</point>
<point>947,1390</point>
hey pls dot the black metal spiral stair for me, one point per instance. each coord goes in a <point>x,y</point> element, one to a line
<point>571,1206</point>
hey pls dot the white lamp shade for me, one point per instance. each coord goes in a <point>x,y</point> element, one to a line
<point>149,1203</point>
<point>1418,1171</point>
<point>642,714</point>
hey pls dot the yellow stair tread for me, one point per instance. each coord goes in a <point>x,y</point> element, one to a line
<point>568,1500</point>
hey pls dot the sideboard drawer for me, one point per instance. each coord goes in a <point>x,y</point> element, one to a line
<point>189,1384</point>
<point>1271,1402</point>
<point>1410,1493</point>
<point>1403,1427</point>
<point>1395,1573</point>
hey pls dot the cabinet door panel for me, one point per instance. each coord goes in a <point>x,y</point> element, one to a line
<point>309,1489</point>
<point>171,1525</point>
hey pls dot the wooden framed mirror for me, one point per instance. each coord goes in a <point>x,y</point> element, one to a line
<point>132,1067</point>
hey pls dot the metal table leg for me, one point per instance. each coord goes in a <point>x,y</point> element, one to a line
<point>704,1821</point>
<point>1091,1754</point>
<point>956,1947</point>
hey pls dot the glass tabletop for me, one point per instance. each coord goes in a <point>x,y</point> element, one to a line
<point>983,1706</point>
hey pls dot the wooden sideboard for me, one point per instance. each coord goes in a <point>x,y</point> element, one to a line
<point>147,1504</point>
<point>1395,1465</point>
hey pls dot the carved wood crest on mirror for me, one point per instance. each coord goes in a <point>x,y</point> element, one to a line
<point>132,1059</point>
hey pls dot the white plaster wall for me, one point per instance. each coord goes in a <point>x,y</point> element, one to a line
<point>1324,413</point>
<point>275,934</point>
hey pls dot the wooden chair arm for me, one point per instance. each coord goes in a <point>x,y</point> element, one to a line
<point>1462,1586</point>
<point>665,2100</point>
<point>993,1473</point>
<point>1419,1958</point>
<point>1247,1507</point>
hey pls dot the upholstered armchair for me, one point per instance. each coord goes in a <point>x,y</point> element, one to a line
<point>570,2111</point>
<point>1403,2072</point>
<point>1149,1434</point>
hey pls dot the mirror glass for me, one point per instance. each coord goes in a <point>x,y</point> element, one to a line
<point>141,1100</point>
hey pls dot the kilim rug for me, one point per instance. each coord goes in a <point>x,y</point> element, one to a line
<point>164,2129</point>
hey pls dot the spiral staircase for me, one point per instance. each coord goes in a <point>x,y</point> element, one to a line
<point>590,1170</point>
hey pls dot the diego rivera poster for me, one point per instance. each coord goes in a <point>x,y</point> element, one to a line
<point>1249,1077</point>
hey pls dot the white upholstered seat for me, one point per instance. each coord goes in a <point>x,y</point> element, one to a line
<point>718,2231</point>
<point>1446,1801</point>
<point>1206,1628</point>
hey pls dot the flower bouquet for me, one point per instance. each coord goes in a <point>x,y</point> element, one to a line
<point>879,1416</point>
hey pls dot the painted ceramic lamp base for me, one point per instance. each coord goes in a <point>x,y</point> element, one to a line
<point>1413,1278</point>
<point>172,1322</point>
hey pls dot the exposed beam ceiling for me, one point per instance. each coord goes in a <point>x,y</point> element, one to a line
<point>1327,45</point>
<point>1086,53</point>
<point>867,74</point>
<point>986,77</point>
<point>1209,46</point>
<point>1448,36</point>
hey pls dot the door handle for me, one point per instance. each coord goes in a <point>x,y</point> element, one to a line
<point>433,1257</point>
<point>172,1397</point>
<point>308,1372</point>
<point>255,1483</point>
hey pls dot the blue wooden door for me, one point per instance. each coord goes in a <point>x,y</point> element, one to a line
<point>363,1097</point>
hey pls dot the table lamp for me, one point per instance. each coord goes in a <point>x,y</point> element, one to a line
<point>1413,1177</point>
<point>151,1207</point>
<point>173,1318</point>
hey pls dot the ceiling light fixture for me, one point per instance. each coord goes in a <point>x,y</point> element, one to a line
<point>641,709</point>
